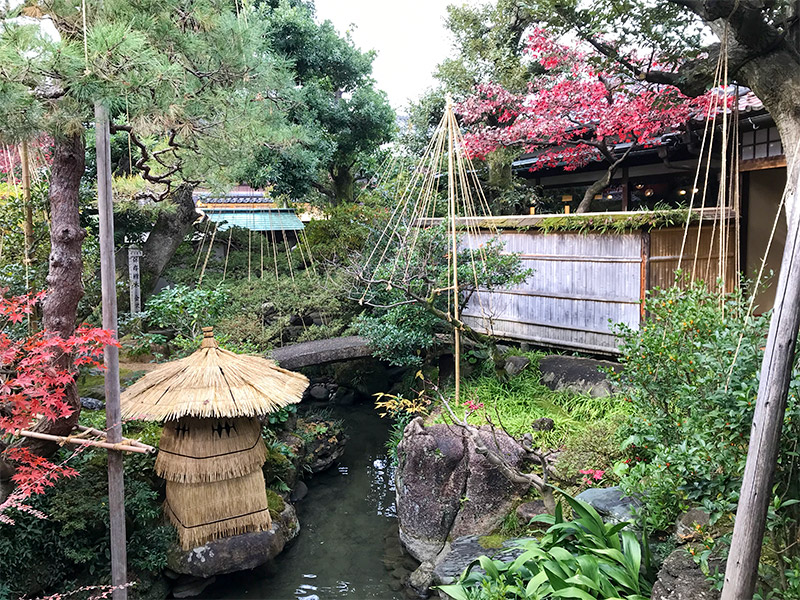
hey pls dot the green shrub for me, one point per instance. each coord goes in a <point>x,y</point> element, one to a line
<point>185,309</point>
<point>401,326</point>
<point>596,447</point>
<point>691,377</point>
<point>583,558</point>
<point>71,547</point>
<point>345,230</point>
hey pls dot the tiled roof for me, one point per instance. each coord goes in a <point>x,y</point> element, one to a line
<point>250,197</point>
<point>255,219</point>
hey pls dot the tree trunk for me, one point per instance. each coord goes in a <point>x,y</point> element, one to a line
<point>26,198</point>
<point>167,234</point>
<point>65,288</point>
<point>499,163</point>
<point>343,185</point>
<point>775,79</point>
<point>594,189</point>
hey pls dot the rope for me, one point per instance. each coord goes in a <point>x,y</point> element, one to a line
<point>710,120</point>
<point>205,262</point>
<point>274,252</point>
<point>416,210</point>
<point>227,253</point>
<point>754,293</point>
<point>737,194</point>
<point>202,243</point>
<point>288,257</point>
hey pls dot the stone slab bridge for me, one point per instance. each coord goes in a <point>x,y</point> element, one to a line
<point>320,352</point>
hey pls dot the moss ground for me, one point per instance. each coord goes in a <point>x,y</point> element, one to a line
<point>518,402</point>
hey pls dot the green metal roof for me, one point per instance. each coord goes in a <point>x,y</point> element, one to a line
<point>256,219</point>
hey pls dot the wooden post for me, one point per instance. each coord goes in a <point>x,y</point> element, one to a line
<point>116,485</point>
<point>644,276</point>
<point>626,190</point>
<point>741,572</point>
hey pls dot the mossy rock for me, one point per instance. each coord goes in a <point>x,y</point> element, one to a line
<point>275,503</point>
<point>492,541</point>
<point>279,467</point>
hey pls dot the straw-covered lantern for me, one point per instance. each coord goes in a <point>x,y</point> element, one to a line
<point>211,449</point>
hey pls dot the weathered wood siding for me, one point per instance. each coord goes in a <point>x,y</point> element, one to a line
<point>581,284</point>
<point>665,250</point>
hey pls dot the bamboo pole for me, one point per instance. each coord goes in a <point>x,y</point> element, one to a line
<point>26,199</point>
<point>103,434</point>
<point>116,483</point>
<point>741,572</point>
<point>451,195</point>
<point>123,446</point>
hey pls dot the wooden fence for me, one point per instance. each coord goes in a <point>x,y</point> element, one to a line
<point>584,283</point>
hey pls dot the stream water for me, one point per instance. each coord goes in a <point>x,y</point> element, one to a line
<point>348,525</point>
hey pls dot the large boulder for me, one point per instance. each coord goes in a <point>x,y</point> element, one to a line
<point>237,553</point>
<point>430,482</point>
<point>446,489</point>
<point>681,579</point>
<point>577,374</point>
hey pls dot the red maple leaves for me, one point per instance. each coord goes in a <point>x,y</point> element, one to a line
<point>574,113</point>
<point>35,373</point>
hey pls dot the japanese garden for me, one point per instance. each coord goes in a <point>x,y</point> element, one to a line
<point>524,329</point>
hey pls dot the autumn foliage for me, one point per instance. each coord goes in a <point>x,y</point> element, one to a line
<point>576,111</point>
<point>37,370</point>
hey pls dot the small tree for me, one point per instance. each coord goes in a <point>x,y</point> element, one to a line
<point>37,382</point>
<point>575,113</point>
<point>409,292</point>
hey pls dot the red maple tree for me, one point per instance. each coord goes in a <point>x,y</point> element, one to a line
<point>575,113</point>
<point>33,387</point>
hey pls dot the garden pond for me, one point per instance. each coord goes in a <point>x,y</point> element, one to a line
<point>348,526</point>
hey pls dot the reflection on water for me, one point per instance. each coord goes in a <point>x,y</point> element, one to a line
<point>345,520</point>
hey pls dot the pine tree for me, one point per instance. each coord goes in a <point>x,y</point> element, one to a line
<point>189,80</point>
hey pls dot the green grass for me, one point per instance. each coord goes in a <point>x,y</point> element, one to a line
<point>518,402</point>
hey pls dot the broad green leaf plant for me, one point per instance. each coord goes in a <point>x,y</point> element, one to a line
<point>582,558</point>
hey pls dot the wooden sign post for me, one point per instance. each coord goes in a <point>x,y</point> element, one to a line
<point>135,279</point>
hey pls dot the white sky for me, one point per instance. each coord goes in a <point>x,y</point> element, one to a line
<point>408,35</point>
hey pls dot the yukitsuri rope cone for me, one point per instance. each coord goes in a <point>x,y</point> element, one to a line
<point>211,449</point>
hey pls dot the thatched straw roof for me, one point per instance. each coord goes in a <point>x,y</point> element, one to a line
<point>194,450</point>
<point>212,383</point>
